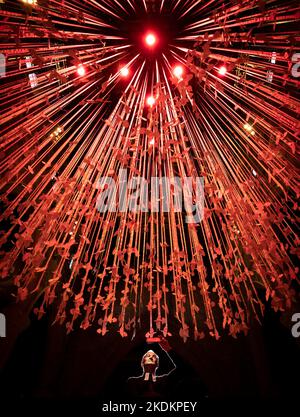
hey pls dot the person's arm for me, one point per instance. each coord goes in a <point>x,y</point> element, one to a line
<point>165,346</point>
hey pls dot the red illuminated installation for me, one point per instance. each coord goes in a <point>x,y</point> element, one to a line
<point>64,134</point>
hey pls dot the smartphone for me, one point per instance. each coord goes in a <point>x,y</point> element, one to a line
<point>153,340</point>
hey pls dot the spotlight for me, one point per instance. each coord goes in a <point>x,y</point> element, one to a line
<point>152,142</point>
<point>222,70</point>
<point>124,72</point>
<point>249,129</point>
<point>273,57</point>
<point>178,71</point>
<point>56,134</point>
<point>150,39</point>
<point>151,101</point>
<point>30,2</point>
<point>81,70</point>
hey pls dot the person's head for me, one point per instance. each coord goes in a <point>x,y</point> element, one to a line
<point>150,362</point>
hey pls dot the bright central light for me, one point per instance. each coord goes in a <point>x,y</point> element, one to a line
<point>178,71</point>
<point>222,70</point>
<point>124,72</point>
<point>81,70</point>
<point>150,101</point>
<point>150,39</point>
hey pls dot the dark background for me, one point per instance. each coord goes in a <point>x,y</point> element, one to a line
<point>41,362</point>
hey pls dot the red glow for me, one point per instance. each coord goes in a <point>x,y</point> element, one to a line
<point>124,72</point>
<point>222,70</point>
<point>178,71</point>
<point>150,39</point>
<point>151,101</point>
<point>81,70</point>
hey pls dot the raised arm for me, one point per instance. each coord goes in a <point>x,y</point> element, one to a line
<point>164,344</point>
